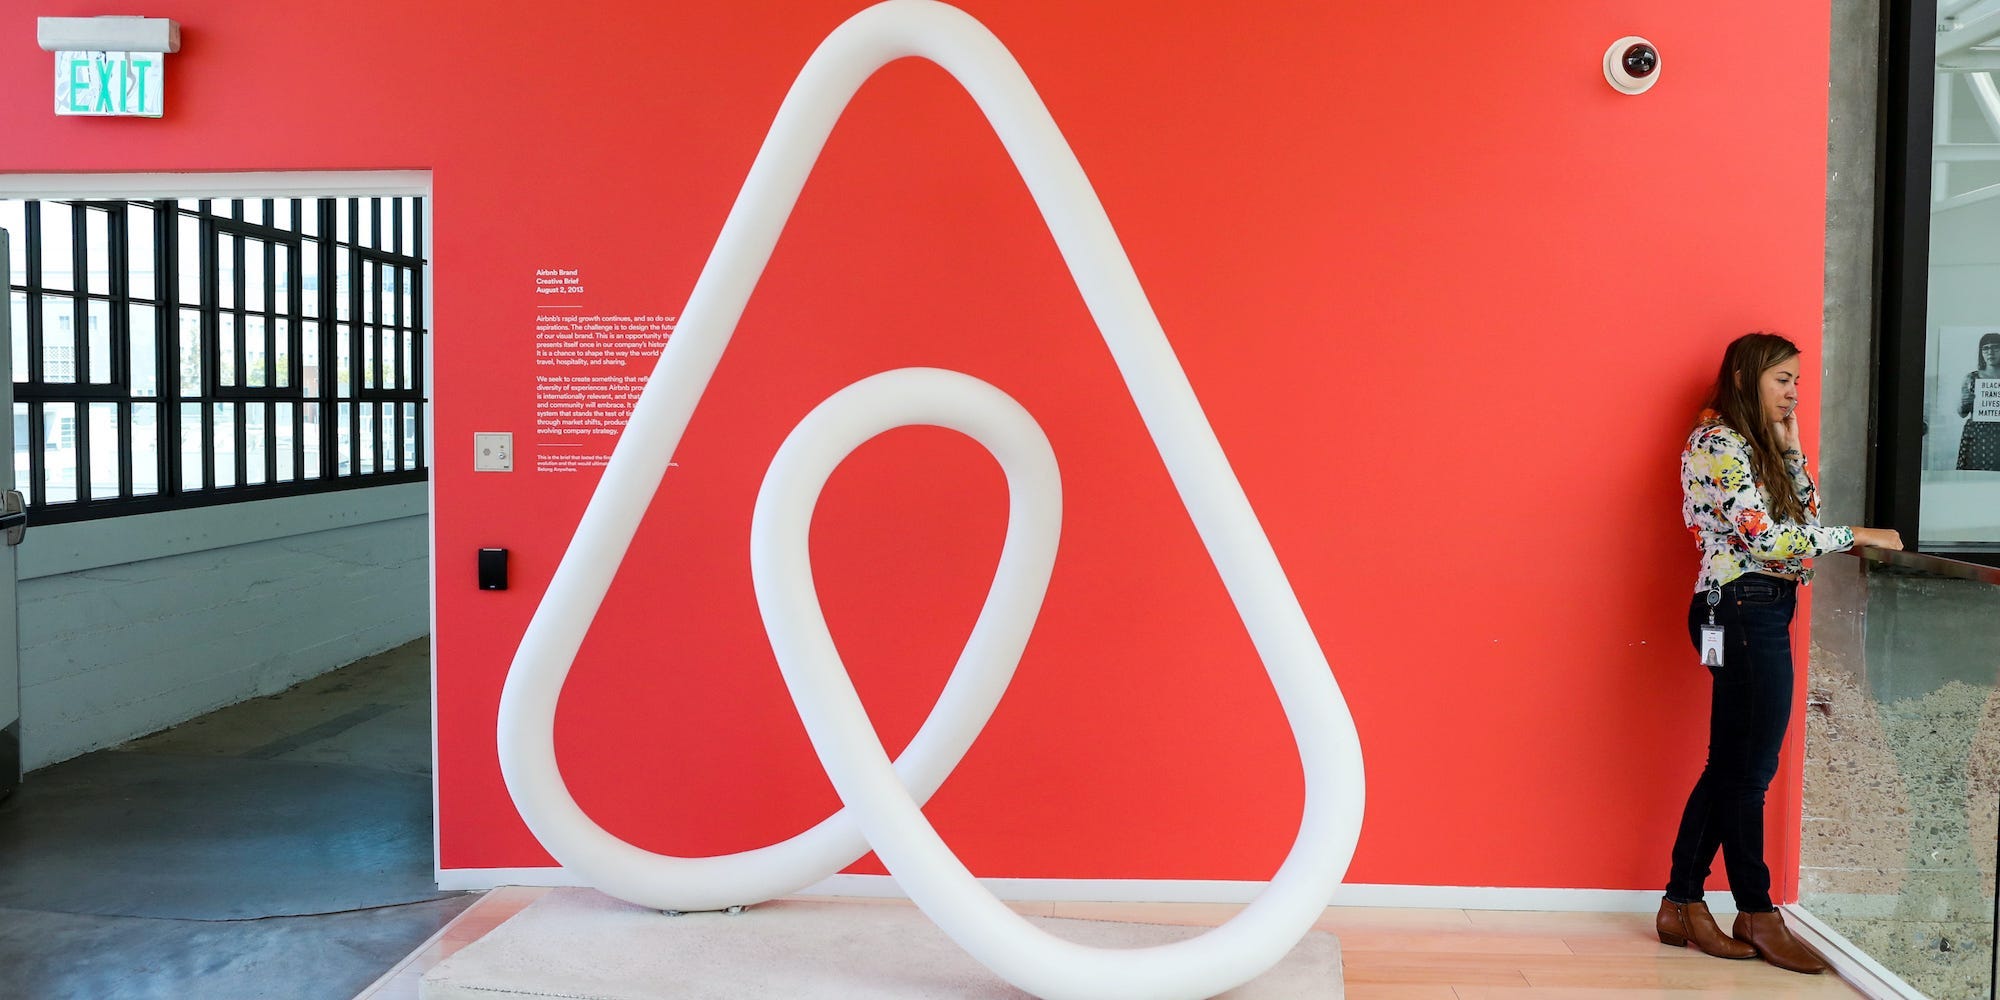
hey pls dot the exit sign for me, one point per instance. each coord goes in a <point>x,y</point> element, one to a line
<point>110,83</point>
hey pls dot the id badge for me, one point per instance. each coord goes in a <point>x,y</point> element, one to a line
<point>1711,645</point>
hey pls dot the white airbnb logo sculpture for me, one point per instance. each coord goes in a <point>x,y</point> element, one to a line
<point>884,800</point>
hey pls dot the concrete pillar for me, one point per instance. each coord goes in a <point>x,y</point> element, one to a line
<point>1848,344</point>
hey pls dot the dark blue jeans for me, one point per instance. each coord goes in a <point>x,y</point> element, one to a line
<point>1750,703</point>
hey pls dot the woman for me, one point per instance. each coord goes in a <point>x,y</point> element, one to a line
<point>1754,543</point>
<point>1979,445</point>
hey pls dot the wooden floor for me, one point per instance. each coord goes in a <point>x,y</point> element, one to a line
<point>1390,954</point>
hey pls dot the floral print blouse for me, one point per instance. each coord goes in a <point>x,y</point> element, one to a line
<point>1727,509</point>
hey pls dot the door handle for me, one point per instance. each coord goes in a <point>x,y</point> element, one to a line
<point>13,516</point>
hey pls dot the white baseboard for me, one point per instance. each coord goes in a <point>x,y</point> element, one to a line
<point>452,879</point>
<point>1451,897</point>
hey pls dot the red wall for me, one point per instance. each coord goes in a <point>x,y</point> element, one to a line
<point>1446,297</point>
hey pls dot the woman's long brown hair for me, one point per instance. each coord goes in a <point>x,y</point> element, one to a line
<point>1736,398</point>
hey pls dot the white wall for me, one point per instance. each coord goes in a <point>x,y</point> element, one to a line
<point>130,625</point>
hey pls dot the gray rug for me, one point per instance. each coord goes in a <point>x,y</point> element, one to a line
<point>214,838</point>
<point>46,956</point>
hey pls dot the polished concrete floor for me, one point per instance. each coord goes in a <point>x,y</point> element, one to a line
<point>277,848</point>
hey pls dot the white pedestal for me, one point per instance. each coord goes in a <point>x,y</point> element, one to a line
<point>579,944</point>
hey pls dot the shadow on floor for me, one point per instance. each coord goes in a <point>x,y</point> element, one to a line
<point>276,848</point>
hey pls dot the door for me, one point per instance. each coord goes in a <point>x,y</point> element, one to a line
<point>12,520</point>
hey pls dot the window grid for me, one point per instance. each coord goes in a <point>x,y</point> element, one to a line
<point>182,353</point>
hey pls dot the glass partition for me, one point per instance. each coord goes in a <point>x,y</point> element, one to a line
<point>1902,781</point>
<point>1961,455</point>
<point>1937,391</point>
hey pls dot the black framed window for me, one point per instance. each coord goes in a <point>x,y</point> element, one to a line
<point>178,353</point>
<point>1937,467</point>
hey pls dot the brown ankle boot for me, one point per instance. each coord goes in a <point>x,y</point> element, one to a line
<point>1767,933</point>
<point>1679,923</point>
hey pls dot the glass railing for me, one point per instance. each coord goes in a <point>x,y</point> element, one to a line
<point>1901,832</point>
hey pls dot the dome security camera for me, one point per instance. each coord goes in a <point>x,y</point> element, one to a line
<point>1632,65</point>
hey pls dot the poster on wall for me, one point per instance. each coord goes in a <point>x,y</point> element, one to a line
<point>1961,483</point>
<point>590,366</point>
